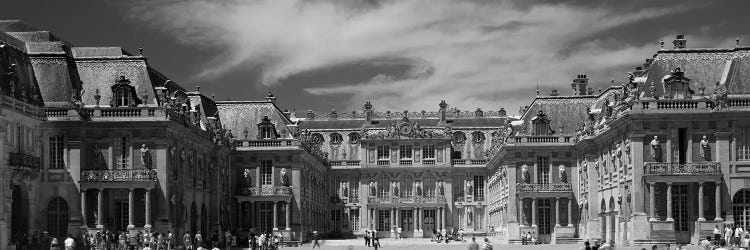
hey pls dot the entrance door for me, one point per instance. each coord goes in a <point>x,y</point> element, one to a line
<point>428,222</point>
<point>19,225</point>
<point>384,223</point>
<point>680,213</point>
<point>407,223</point>
<point>265,216</point>
<point>121,215</point>
<point>544,216</point>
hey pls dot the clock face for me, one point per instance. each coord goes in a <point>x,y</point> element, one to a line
<point>404,129</point>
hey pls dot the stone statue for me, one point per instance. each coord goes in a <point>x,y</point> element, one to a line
<point>345,193</point>
<point>395,189</point>
<point>525,177</point>
<point>419,188</point>
<point>563,174</point>
<point>285,178</point>
<point>705,149</point>
<point>656,149</point>
<point>145,157</point>
<point>247,180</point>
<point>441,188</point>
<point>373,189</point>
<point>469,189</point>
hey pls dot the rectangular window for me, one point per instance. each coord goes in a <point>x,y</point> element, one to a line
<point>743,144</point>
<point>428,152</point>
<point>404,152</point>
<point>123,159</point>
<point>384,220</point>
<point>384,152</point>
<point>56,153</point>
<point>479,188</point>
<point>542,166</point>
<point>354,219</point>
<point>266,170</point>
<point>265,132</point>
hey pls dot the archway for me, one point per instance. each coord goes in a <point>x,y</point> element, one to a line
<point>741,208</point>
<point>57,217</point>
<point>19,225</point>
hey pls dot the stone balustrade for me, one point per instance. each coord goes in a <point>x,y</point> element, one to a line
<point>544,188</point>
<point>345,163</point>
<point>406,200</point>
<point>19,106</point>
<point>684,169</point>
<point>541,139</point>
<point>118,175</point>
<point>24,160</point>
<point>266,190</point>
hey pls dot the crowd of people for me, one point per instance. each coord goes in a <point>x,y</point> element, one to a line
<point>146,240</point>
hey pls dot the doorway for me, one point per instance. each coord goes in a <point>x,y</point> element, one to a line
<point>122,215</point>
<point>545,226</point>
<point>680,213</point>
<point>407,223</point>
<point>428,223</point>
<point>19,225</point>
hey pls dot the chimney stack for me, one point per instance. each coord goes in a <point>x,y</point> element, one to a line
<point>554,93</point>
<point>270,97</point>
<point>638,71</point>
<point>680,42</point>
<point>368,111</point>
<point>443,109</point>
<point>579,85</point>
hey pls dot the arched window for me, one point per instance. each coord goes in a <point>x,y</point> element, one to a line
<point>57,217</point>
<point>317,138</point>
<point>266,129</point>
<point>541,124</point>
<point>123,94</point>
<point>459,137</point>
<point>354,138</point>
<point>477,136</point>
<point>336,138</point>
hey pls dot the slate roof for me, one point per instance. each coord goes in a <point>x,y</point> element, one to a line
<point>239,115</point>
<point>382,123</point>
<point>566,112</point>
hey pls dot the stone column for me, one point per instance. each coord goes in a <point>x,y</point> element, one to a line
<point>416,219</point>
<point>84,213</point>
<point>275,215</point>
<point>131,208</point>
<point>520,212</point>
<point>392,219</point>
<point>421,218</point>
<point>398,217</point>
<point>669,202</point>
<point>533,212</point>
<point>570,212</point>
<point>718,202</point>
<point>557,211</point>
<point>442,219</point>
<point>239,215</point>
<point>148,208</point>
<point>288,215</point>
<point>100,209</point>
<point>652,201</point>
<point>374,218</point>
<point>701,211</point>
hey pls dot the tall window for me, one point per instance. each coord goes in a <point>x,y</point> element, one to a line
<point>56,152</point>
<point>354,189</point>
<point>384,219</point>
<point>428,152</point>
<point>743,144</point>
<point>741,208</point>
<point>404,152</point>
<point>354,219</point>
<point>479,187</point>
<point>384,188</point>
<point>122,97</point>
<point>57,217</point>
<point>123,159</point>
<point>266,132</point>
<point>384,152</point>
<point>266,170</point>
<point>542,166</point>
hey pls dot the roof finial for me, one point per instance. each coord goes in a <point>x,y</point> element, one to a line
<point>737,40</point>
<point>661,43</point>
<point>537,89</point>
<point>140,50</point>
<point>198,88</point>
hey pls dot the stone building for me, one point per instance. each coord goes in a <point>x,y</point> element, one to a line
<point>657,159</point>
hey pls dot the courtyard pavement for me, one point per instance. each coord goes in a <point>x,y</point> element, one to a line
<point>408,244</point>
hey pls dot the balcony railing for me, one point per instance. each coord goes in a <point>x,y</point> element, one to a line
<point>404,162</point>
<point>384,162</point>
<point>468,162</point>
<point>269,143</point>
<point>24,160</point>
<point>344,163</point>
<point>428,162</point>
<point>406,200</point>
<point>20,106</point>
<point>541,139</point>
<point>118,175</point>
<point>686,169</point>
<point>266,191</point>
<point>545,188</point>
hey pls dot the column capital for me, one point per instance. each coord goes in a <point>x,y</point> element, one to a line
<point>101,189</point>
<point>669,183</point>
<point>717,182</point>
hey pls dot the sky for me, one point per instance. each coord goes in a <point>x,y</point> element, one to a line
<point>398,54</point>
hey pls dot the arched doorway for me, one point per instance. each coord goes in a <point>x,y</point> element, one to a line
<point>741,208</point>
<point>57,217</point>
<point>20,213</point>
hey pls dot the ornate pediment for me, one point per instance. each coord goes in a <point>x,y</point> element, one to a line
<point>406,129</point>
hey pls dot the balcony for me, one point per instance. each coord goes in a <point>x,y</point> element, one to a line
<point>469,162</point>
<point>668,171</point>
<point>25,161</point>
<point>20,106</point>
<point>266,144</point>
<point>545,190</point>
<point>118,178</point>
<point>346,163</point>
<point>541,139</point>
<point>266,190</point>
<point>384,162</point>
<point>393,200</point>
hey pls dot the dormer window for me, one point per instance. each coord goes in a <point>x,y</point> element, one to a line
<point>541,124</point>
<point>266,129</point>
<point>123,94</point>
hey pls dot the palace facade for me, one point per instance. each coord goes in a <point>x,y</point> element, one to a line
<point>95,138</point>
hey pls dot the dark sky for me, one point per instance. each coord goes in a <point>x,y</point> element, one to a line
<point>406,54</point>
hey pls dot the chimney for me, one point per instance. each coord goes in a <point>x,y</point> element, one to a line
<point>368,111</point>
<point>590,91</point>
<point>270,97</point>
<point>502,112</point>
<point>443,106</point>
<point>287,113</point>
<point>680,42</point>
<point>579,85</point>
<point>648,62</point>
<point>553,93</point>
<point>310,115</point>
<point>638,71</point>
<point>522,110</point>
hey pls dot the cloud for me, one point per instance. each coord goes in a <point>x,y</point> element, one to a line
<point>470,53</point>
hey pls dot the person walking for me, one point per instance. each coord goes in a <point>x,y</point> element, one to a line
<point>70,242</point>
<point>315,239</point>
<point>717,235</point>
<point>367,238</point>
<point>187,240</point>
<point>473,245</point>
<point>487,245</point>
<point>54,245</point>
